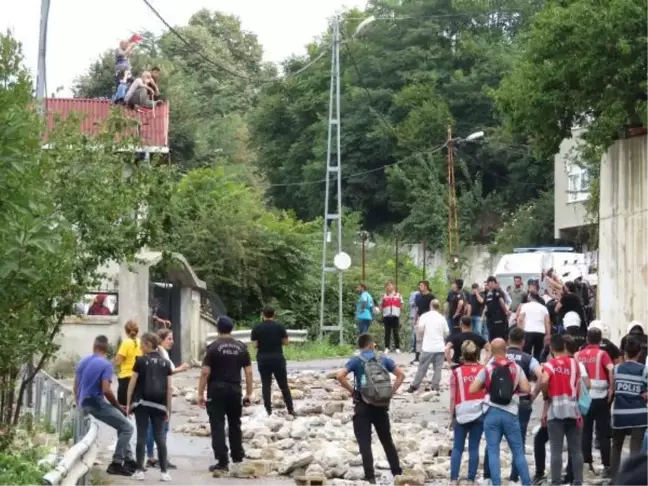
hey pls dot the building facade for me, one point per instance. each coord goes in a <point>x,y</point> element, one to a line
<point>571,193</point>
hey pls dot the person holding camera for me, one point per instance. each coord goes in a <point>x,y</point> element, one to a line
<point>221,378</point>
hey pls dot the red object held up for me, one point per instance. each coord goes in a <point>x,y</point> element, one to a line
<point>136,38</point>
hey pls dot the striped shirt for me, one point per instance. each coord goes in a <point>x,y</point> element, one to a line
<point>629,410</point>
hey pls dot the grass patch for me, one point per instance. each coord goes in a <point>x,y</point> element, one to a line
<point>311,351</point>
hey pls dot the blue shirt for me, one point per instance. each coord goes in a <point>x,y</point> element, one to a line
<point>366,314</point>
<point>412,304</point>
<point>356,366</point>
<point>90,373</point>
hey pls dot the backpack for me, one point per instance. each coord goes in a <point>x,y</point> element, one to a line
<point>585,400</point>
<point>156,375</point>
<point>375,383</point>
<point>502,387</point>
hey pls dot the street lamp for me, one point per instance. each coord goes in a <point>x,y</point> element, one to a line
<point>363,24</point>
<point>474,136</point>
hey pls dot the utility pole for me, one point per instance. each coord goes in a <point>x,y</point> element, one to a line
<point>333,169</point>
<point>396,250</point>
<point>424,245</point>
<point>42,55</point>
<point>453,219</point>
<point>40,96</point>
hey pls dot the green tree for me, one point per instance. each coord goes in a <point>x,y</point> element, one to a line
<point>66,211</point>
<point>579,64</point>
<point>402,83</point>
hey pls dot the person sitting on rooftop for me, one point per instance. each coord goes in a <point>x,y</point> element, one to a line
<point>155,74</point>
<point>139,93</point>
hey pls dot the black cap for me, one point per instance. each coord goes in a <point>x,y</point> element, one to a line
<point>224,325</point>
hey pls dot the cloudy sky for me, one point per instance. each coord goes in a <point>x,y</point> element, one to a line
<point>79,30</point>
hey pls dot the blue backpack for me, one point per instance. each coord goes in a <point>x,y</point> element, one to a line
<point>585,400</point>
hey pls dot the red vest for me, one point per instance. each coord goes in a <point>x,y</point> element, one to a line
<point>468,406</point>
<point>595,361</point>
<point>564,377</point>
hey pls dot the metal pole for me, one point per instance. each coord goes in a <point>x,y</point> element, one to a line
<point>333,168</point>
<point>336,49</point>
<point>42,53</point>
<point>396,261</point>
<point>364,253</point>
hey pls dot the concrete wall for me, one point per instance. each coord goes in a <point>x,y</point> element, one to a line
<point>78,334</point>
<point>480,263</point>
<point>623,236</point>
<point>567,215</point>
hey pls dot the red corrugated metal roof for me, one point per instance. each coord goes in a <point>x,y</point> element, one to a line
<point>154,126</point>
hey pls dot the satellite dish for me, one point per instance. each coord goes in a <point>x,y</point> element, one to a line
<point>342,261</point>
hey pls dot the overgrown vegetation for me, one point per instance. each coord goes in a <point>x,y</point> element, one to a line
<point>65,212</point>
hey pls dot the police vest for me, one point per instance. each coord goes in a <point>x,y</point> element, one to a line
<point>629,409</point>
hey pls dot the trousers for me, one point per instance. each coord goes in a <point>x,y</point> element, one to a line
<point>113,417</point>
<point>220,407</point>
<point>534,344</point>
<point>364,418</point>
<point>143,417</point>
<point>473,430</point>
<point>391,324</point>
<point>558,430</point>
<point>427,359</point>
<point>599,416</point>
<point>269,367</point>
<point>618,438</point>
<point>498,423</point>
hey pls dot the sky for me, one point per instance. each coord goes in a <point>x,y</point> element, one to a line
<point>80,30</point>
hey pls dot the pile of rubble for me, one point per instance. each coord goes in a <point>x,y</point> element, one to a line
<point>320,440</point>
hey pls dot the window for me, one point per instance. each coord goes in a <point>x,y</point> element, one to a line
<point>578,183</point>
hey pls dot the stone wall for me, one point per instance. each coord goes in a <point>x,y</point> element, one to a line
<point>623,236</point>
<point>479,262</point>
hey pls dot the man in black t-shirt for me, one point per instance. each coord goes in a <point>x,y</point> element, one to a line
<point>635,328</point>
<point>456,303</point>
<point>571,302</point>
<point>454,342</point>
<point>270,337</point>
<point>423,301</point>
<point>496,311</point>
<point>221,376</point>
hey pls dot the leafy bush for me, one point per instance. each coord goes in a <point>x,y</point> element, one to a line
<point>21,468</point>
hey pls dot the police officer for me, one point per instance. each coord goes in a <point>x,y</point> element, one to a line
<point>533,372</point>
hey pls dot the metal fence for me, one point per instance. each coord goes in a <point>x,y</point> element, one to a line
<point>54,408</point>
<point>294,335</point>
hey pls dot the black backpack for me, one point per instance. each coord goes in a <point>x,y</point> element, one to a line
<point>156,373</point>
<point>502,387</point>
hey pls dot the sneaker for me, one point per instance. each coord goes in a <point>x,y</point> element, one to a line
<point>397,351</point>
<point>139,475</point>
<point>386,350</point>
<point>411,389</point>
<point>218,467</point>
<point>539,479</point>
<point>131,464</point>
<point>151,463</point>
<point>118,469</point>
<point>165,476</point>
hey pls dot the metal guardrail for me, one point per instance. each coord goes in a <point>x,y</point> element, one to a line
<point>294,335</point>
<point>54,407</point>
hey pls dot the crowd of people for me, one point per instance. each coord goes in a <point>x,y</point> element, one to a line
<point>585,381</point>
<point>506,348</point>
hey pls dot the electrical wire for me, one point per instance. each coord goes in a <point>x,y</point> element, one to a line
<point>219,66</point>
<point>188,44</point>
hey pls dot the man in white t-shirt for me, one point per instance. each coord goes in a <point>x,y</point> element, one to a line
<point>534,319</point>
<point>434,327</point>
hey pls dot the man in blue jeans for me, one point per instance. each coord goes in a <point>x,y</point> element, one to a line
<point>93,393</point>
<point>533,372</point>
<point>501,419</point>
